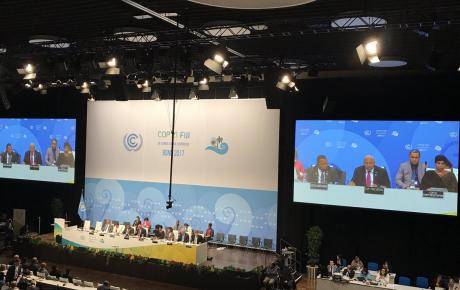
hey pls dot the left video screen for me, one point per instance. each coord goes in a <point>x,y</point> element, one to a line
<point>38,149</point>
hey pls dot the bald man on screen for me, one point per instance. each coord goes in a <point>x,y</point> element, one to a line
<point>370,175</point>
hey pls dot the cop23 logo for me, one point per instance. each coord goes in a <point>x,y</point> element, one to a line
<point>132,141</point>
<point>218,146</point>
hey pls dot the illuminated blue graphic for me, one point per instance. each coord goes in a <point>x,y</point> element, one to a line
<point>218,146</point>
<point>231,210</point>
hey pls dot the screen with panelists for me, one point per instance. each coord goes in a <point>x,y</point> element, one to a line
<point>391,165</point>
<point>38,149</point>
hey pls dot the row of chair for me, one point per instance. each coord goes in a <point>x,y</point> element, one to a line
<point>75,281</point>
<point>421,282</point>
<point>243,241</point>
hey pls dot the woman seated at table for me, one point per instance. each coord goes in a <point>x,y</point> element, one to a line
<point>136,225</point>
<point>145,228</point>
<point>441,177</point>
<point>383,277</point>
<point>66,158</point>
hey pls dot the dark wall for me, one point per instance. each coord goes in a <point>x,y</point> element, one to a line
<point>34,196</point>
<point>414,244</point>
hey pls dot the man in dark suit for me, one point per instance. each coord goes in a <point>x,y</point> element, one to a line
<point>14,271</point>
<point>9,156</point>
<point>370,175</point>
<point>322,172</point>
<point>32,157</point>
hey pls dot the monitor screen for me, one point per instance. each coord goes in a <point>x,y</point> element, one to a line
<point>38,149</point>
<point>391,165</point>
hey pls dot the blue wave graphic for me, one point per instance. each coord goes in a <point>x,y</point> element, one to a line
<point>221,151</point>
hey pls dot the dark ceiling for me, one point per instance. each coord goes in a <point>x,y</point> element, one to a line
<point>420,31</point>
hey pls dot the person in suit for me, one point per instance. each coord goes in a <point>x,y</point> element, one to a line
<point>169,234</point>
<point>14,271</point>
<point>197,238</point>
<point>32,157</point>
<point>370,175</point>
<point>66,158</point>
<point>104,286</point>
<point>10,156</point>
<point>52,153</point>
<point>441,177</point>
<point>322,172</point>
<point>410,173</point>
<point>331,268</point>
<point>137,225</point>
<point>184,235</point>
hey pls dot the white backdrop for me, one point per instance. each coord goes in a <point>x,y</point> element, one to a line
<point>225,169</point>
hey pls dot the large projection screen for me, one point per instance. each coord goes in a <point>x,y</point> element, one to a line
<point>389,165</point>
<point>225,165</point>
<point>38,149</point>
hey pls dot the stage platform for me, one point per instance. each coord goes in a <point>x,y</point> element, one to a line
<point>222,257</point>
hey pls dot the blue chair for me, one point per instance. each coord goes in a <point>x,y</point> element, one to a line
<point>421,282</point>
<point>372,266</point>
<point>404,281</point>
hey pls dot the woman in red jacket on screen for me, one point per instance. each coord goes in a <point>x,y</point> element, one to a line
<point>299,169</point>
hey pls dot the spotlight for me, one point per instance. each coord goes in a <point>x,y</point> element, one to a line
<point>193,94</point>
<point>29,68</point>
<point>112,62</point>
<point>368,52</point>
<point>84,88</point>
<point>233,94</point>
<point>217,64</point>
<point>203,81</point>
<point>286,83</point>
<point>28,71</point>
<point>111,66</point>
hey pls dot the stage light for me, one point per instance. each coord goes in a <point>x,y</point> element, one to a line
<point>193,94</point>
<point>286,79</point>
<point>233,94</point>
<point>219,58</point>
<point>217,64</point>
<point>371,47</point>
<point>369,52</point>
<point>29,68</point>
<point>458,68</point>
<point>203,81</point>
<point>84,88</point>
<point>27,85</point>
<point>112,62</point>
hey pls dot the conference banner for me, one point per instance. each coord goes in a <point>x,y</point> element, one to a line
<point>225,168</point>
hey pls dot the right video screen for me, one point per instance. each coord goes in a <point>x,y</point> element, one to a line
<point>407,166</point>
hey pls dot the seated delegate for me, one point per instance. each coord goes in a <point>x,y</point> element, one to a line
<point>441,177</point>
<point>10,156</point>
<point>410,173</point>
<point>370,175</point>
<point>322,172</point>
<point>66,158</point>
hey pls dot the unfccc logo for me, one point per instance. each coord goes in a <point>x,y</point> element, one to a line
<point>132,141</point>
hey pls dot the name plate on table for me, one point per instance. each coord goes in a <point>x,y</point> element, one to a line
<point>320,186</point>
<point>34,167</point>
<point>374,190</point>
<point>63,169</point>
<point>5,165</point>
<point>434,193</point>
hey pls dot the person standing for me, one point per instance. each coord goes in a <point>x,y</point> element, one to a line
<point>209,234</point>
